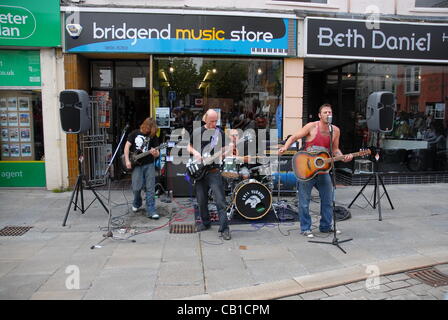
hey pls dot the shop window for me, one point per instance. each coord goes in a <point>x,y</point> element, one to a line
<point>431,4</point>
<point>412,76</point>
<point>307,1</point>
<point>131,74</point>
<point>246,92</point>
<point>21,125</point>
<point>102,75</point>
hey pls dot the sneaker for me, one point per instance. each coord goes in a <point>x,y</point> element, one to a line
<point>331,230</point>
<point>308,234</point>
<point>226,235</point>
<point>134,209</point>
<point>155,216</point>
<point>202,227</point>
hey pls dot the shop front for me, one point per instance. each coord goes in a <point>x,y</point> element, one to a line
<point>174,67</point>
<point>407,60</point>
<point>22,97</point>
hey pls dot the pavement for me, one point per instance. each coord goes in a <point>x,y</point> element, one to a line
<point>263,261</point>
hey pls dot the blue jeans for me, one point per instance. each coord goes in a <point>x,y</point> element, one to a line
<point>212,180</point>
<point>144,176</point>
<point>323,184</point>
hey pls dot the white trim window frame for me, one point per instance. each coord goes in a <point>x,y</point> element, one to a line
<point>412,80</point>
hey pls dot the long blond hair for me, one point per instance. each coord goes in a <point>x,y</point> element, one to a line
<point>149,126</point>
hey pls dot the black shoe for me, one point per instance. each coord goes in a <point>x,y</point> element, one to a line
<point>226,235</point>
<point>330,231</point>
<point>202,227</point>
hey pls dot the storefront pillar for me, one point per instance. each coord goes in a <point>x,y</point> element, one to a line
<point>293,95</point>
<point>54,139</point>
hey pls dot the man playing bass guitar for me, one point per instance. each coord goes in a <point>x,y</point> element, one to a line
<point>210,139</point>
<point>317,136</point>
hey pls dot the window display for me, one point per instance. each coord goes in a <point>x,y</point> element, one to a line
<point>21,126</point>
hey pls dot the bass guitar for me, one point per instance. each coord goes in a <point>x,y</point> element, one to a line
<point>307,164</point>
<point>134,157</point>
<point>197,169</point>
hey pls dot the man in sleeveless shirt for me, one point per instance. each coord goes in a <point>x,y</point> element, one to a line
<point>317,135</point>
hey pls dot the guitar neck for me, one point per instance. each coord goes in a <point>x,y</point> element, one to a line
<point>144,154</point>
<point>339,158</point>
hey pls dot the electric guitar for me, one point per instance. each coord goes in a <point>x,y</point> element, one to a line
<point>307,165</point>
<point>197,169</point>
<point>134,157</point>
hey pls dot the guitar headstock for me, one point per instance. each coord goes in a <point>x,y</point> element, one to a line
<point>364,152</point>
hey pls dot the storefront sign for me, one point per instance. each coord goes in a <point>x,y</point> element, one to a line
<point>22,174</point>
<point>30,23</point>
<point>185,34</point>
<point>386,41</point>
<point>19,68</point>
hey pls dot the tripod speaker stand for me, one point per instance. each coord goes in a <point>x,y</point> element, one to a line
<point>376,191</point>
<point>78,191</point>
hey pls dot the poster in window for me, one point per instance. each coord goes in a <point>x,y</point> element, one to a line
<point>24,119</point>
<point>104,108</point>
<point>3,119</point>
<point>163,117</point>
<point>14,150</point>
<point>5,150</point>
<point>24,104</point>
<point>5,135</point>
<point>25,134</point>
<point>12,104</point>
<point>14,134</point>
<point>26,150</point>
<point>3,106</point>
<point>13,119</point>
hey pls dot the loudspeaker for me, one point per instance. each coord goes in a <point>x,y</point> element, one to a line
<point>381,111</point>
<point>177,182</point>
<point>75,111</point>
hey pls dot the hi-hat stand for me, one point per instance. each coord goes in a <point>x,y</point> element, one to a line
<point>109,234</point>
<point>78,191</point>
<point>376,191</point>
<point>335,240</point>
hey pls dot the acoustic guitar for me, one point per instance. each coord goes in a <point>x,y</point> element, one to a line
<point>307,164</point>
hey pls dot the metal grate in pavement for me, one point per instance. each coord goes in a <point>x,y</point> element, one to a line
<point>14,231</point>
<point>430,276</point>
<point>182,228</point>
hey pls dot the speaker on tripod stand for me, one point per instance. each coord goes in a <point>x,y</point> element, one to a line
<point>380,119</point>
<point>75,118</point>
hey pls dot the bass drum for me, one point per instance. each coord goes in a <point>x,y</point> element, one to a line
<point>252,199</point>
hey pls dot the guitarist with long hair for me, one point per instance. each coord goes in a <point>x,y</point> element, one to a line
<point>317,136</point>
<point>143,174</point>
<point>210,139</point>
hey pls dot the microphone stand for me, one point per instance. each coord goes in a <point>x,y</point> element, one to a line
<point>109,233</point>
<point>335,240</point>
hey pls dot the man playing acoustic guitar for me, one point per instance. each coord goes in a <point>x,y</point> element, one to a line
<point>317,135</point>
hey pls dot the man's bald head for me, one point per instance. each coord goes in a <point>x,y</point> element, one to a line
<point>210,119</point>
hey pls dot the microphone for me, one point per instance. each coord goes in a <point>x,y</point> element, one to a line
<point>330,119</point>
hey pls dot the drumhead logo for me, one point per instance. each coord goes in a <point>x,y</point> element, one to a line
<point>253,201</point>
<point>16,23</point>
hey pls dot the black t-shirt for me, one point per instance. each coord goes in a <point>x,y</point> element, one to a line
<point>142,143</point>
<point>205,137</point>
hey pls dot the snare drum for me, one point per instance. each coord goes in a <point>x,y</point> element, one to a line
<point>252,199</point>
<point>230,168</point>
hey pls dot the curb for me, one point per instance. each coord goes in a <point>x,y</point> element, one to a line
<point>324,280</point>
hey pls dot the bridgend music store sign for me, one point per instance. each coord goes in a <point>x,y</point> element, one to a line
<point>30,23</point>
<point>183,34</point>
<point>381,40</point>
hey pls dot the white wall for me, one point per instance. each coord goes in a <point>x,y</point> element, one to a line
<point>52,82</point>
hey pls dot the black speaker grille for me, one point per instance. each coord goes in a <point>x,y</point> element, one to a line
<point>70,119</point>
<point>386,119</point>
<point>68,98</point>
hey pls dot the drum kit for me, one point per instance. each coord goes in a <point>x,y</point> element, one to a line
<point>250,187</point>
